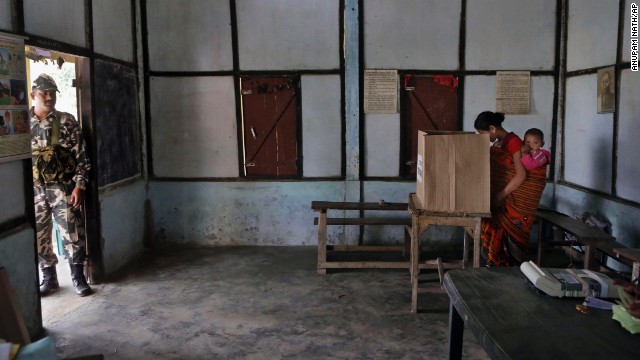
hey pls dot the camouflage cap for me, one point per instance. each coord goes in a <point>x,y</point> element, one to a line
<point>45,82</point>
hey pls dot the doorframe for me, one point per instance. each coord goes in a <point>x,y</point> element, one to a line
<point>86,112</point>
<point>84,83</point>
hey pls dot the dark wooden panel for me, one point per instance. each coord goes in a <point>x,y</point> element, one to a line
<point>117,123</point>
<point>428,103</point>
<point>270,125</point>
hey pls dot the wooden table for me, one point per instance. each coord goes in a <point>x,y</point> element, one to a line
<point>633,255</point>
<point>512,321</point>
<point>421,220</point>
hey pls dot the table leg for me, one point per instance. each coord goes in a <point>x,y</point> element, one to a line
<point>465,248</point>
<point>456,332</point>
<point>477,243</point>
<point>322,242</point>
<point>440,269</point>
<point>415,254</point>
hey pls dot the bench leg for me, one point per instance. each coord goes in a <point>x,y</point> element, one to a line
<point>322,242</point>
<point>477,243</point>
<point>589,257</point>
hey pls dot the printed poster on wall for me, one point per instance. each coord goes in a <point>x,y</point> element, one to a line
<point>380,91</point>
<point>14,119</point>
<point>513,90</point>
<point>606,90</point>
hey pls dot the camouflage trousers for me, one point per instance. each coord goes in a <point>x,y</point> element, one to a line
<point>51,200</point>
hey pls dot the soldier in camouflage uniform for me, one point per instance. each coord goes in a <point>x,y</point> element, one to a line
<point>60,177</point>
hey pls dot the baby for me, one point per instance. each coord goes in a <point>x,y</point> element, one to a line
<point>533,156</point>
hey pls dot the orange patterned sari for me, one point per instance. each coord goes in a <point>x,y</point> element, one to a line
<point>505,237</point>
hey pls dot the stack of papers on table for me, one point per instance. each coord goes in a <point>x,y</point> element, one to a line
<point>629,322</point>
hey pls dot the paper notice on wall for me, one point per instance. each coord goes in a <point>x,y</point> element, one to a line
<point>14,119</point>
<point>380,91</point>
<point>513,91</point>
<point>419,168</point>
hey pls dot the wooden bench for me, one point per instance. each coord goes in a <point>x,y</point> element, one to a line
<point>592,238</point>
<point>323,221</point>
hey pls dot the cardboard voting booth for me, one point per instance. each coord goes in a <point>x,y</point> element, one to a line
<point>452,172</point>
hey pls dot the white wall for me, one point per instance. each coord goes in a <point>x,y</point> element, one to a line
<point>288,34</point>
<point>193,127</point>
<point>12,198</point>
<point>17,245</point>
<point>112,28</point>
<point>411,34</point>
<point>480,95</point>
<point>589,138</point>
<point>374,191</point>
<point>626,35</point>
<point>5,15</point>
<point>588,143</point>
<point>510,35</point>
<point>70,26</point>
<point>321,126</point>
<point>17,256</point>
<point>123,233</point>
<point>623,217</point>
<point>627,180</point>
<point>240,213</point>
<point>592,33</point>
<point>189,35</point>
<point>382,144</point>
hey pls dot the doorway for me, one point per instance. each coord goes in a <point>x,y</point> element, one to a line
<point>71,76</point>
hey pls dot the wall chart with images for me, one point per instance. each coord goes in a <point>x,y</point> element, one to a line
<point>14,118</point>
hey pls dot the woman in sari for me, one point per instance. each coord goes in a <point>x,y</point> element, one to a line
<point>515,194</point>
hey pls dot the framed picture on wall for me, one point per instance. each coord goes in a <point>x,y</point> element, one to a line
<point>606,90</point>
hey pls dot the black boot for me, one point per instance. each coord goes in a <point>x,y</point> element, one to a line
<point>79,281</point>
<point>49,280</point>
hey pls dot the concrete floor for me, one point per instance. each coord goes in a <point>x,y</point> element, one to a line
<point>250,303</point>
